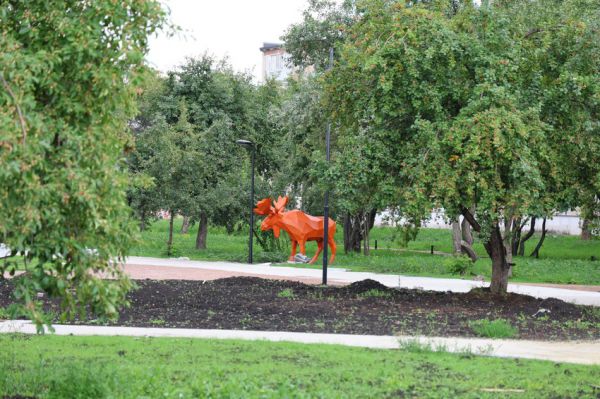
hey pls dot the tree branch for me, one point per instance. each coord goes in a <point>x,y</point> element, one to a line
<point>19,113</point>
<point>471,219</point>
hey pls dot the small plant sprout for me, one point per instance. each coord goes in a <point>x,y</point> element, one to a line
<point>286,293</point>
<point>375,293</point>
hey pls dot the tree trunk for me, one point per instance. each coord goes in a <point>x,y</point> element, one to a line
<point>526,237</point>
<point>185,226</point>
<point>456,237</point>
<point>170,241</point>
<point>356,229</point>
<point>202,231</point>
<point>463,238</point>
<point>586,232</point>
<point>143,221</point>
<point>509,231</point>
<point>352,233</point>
<point>465,227</point>
<point>495,249</point>
<point>467,249</point>
<point>536,251</point>
<point>367,225</point>
<point>372,215</point>
<point>500,268</point>
<point>516,234</point>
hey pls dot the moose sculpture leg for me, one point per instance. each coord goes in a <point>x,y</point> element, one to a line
<point>319,249</point>
<point>299,226</point>
<point>332,247</point>
<point>294,247</point>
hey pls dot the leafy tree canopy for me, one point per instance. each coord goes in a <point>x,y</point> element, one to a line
<point>68,74</point>
<point>481,107</point>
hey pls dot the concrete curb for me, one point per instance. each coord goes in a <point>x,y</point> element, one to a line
<point>579,352</point>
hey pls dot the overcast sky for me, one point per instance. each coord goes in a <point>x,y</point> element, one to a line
<point>233,28</point>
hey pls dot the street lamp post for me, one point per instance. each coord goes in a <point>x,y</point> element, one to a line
<point>326,208</point>
<point>250,145</point>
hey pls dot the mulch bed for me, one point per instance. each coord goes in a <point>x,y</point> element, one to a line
<point>365,307</point>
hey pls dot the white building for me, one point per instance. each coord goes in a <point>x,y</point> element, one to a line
<point>275,62</point>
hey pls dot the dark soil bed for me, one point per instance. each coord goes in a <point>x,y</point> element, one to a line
<point>366,307</point>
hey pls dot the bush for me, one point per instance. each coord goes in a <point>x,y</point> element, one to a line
<point>460,264</point>
<point>498,328</point>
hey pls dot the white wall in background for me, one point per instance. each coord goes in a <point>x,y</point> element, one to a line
<point>568,223</point>
<point>4,251</point>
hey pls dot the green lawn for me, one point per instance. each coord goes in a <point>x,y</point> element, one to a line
<point>555,246</point>
<point>119,367</point>
<point>564,259</point>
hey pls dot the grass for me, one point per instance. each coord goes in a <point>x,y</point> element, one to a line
<point>563,259</point>
<point>123,367</point>
<point>498,328</point>
<point>556,246</point>
<point>375,293</point>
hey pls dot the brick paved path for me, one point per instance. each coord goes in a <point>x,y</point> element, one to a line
<point>141,272</point>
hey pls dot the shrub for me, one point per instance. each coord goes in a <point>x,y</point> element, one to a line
<point>498,328</point>
<point>460,265</point>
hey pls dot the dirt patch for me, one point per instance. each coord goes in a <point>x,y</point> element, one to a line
<point>365,307</point>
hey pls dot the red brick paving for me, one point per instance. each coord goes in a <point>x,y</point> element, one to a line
<point>141,272</point>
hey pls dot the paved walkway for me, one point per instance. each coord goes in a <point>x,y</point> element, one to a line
<point>159,268</point>
<point>581,352</point>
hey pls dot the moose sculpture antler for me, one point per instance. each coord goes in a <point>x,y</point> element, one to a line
<point>299,226</point>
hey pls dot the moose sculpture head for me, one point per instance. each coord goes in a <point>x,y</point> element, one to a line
<point>274,214</point>
<point>299,226</point>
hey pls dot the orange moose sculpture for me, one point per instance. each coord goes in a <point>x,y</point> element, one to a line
<point>299,226</point>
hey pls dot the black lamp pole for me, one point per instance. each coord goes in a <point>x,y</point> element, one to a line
<point>250,145</point>
<point>326,210</point>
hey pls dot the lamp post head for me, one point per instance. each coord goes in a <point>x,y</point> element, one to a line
<point>245,143</point>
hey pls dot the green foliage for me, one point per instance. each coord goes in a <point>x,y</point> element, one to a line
<point>498,328</point>
<point>68,75</point>
<point>461,265</point>
<point>286,293</point>
<point>323,27</point>
<point>185,143</point>
<point>472,108</point>
<point>302,122</point>
<point>269,243</point>
<point>122,367</point>
<point>375,293</point>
